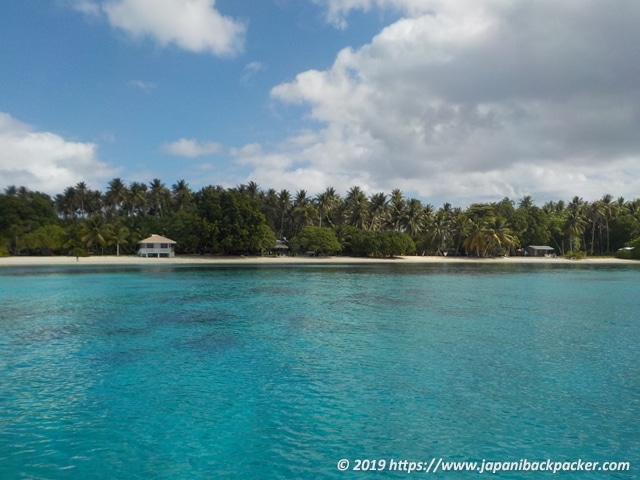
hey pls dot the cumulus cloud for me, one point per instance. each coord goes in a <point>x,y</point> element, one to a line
<point>337,11</point>
<point>191,148</point>
<point>480,100</point>
<point>193,25</point>
<point>45,161</point>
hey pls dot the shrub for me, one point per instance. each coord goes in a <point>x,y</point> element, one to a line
<point>79,252</point>
<point>579,255</point>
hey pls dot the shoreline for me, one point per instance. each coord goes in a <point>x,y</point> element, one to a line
<point>132,260</point>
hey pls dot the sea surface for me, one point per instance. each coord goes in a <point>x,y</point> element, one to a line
<point>261,372</point>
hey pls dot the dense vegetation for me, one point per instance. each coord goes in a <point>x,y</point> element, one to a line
<point>247,220</point>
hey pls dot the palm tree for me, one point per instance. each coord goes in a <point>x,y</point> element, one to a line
<point>458,227</point>
<point>378,204</point>
<point>357,206</point>
<point>396,209</point>
<point>609,211</point>
<point>118,236</point>
<point>65,203</point>
<point>595,214</point>
<point>269,207</point>
<point>95,232</point>
<point>575,223</point>
<point>284,203</point>
<point>181,194</point>
<point>525,202</point>
<point>499,234</point>
<point>253,190</point>
<point>303,211</point>
<point>437,231</point>
<point>94,203</point>
<point>412,218</point>
<point>116,194</point>
<point>476,238</point>
<point>136,201</point>
<point>159,196</point>
<point>81,193</point>
<point>325,202</point>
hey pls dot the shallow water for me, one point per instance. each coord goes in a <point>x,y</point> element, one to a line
<point>261,372</point>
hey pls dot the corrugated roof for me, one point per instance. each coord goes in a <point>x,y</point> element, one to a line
<point>541,247</point>
<point>156,239</point>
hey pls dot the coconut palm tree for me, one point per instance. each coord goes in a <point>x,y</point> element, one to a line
<point>158,197</point>
<point>476,239</point>
<point>595,215</point>
<point>525,202</point>
<point>269,208</point>
<point>499,234</point>
<point>117,236</point>
<point>284,204</point>
<point>253,190</point>
<point>458,226</point>
<point>378,209</point>
<point>575,222</point>
<point>357,207</point>
<point>412,220</point>
<point>303,211</point>
<point>115,195</point>
<point>397,205</point>
<point>438,231</point>
<point>65,203</point>
<point>182,194</point>
<point>81,195</point>
<point>325,202</point>
<point>94,232</point>
<point>609,213</point>
<point>136,202</point>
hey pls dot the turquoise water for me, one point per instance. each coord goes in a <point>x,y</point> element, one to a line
<point>260,372</point>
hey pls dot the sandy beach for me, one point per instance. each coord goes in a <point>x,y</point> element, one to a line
<point>107,260</point>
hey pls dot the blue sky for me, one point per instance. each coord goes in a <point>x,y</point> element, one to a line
<point>455,101</point>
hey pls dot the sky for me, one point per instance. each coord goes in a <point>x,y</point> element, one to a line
<point>456,101</point>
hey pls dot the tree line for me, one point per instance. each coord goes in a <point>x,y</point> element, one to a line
<point>248,219</point>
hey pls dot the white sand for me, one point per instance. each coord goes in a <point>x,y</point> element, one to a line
<point>220,260</point>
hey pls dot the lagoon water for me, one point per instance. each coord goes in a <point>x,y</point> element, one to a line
<point>262,372</point>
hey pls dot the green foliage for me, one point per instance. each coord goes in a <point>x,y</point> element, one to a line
<point>45,240</point>
<point>79,252</point>
<point>625,254</point>
<point>192,233</point>
<point>22,212</point>
<point>396,243</point>
<point>357,242</point>
<point>318,239</point>
<point>243,219</point>
<point>632,252</point>
<point>265,237</point>
<point>4,247</point>
<point>579,255</point>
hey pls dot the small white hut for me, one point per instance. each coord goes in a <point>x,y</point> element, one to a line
<point>156,246</point>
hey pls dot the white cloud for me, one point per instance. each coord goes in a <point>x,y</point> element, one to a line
<point>142,85</point>
<point>478,100</point>
<point>88,7</point>
<point>45,161</point>
<point>193,25</point>
<point>191,148</point>
<point>250,71</point>
<point>337,11</point>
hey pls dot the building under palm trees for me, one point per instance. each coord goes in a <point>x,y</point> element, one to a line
<point>156,246</point>
<point>540,250</point>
